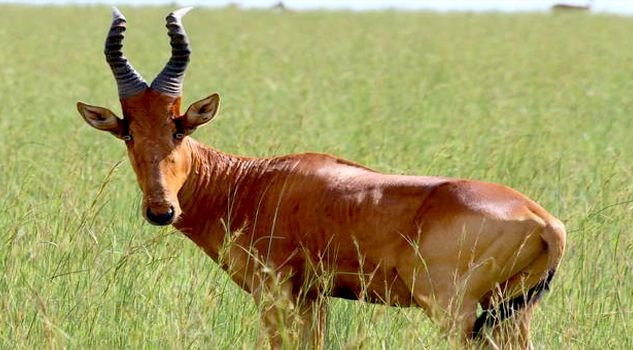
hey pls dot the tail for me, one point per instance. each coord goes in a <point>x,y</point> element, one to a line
<point>507,309</point>
<point>554,236</point>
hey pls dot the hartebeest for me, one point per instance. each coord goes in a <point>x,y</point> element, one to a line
<point>296,228</point>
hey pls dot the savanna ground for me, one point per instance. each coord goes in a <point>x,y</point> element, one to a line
<point>539,102</point>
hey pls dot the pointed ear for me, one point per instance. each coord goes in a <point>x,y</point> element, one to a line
<point>201,112</point>
<point>100,118</point>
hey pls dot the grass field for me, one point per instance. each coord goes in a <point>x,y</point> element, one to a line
<point>539,102</point>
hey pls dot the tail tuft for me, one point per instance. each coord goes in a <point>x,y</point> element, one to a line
<point>507,309</point>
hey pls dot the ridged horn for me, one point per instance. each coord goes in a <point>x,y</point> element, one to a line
<point>128,80</point>
<point>170,79</point>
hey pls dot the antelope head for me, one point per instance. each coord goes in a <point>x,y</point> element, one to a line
<point>154,131</point>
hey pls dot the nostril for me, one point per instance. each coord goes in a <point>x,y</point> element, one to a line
<point>160,219</point>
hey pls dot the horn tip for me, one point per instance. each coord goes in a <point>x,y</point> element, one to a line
<point>181,12</point>
<point>116,13</point>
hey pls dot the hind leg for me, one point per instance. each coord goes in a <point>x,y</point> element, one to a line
<point>513,333</point>
<point>451,300</point>
<point>447,301</point>
<point>454,313</point>
<point>523,320</point>
<point>519,324</point>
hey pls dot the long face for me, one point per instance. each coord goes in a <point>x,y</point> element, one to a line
<point>154,131</point>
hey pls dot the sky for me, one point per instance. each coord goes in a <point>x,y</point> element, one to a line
<point>613,6</point>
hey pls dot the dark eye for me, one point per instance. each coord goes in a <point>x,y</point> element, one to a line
<point>127,138</point>
<point>179,136</point>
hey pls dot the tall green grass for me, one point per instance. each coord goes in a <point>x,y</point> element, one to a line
<point>539,102</point>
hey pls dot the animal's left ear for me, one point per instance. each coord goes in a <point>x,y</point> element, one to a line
<point>201,112</point>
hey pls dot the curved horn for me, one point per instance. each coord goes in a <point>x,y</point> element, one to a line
<point>128,80</point>
<point>170,79</point>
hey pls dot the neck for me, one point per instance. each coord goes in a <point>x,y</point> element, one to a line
<point>210,197</point>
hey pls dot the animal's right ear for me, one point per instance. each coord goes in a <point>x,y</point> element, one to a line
<point>100,118</point>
